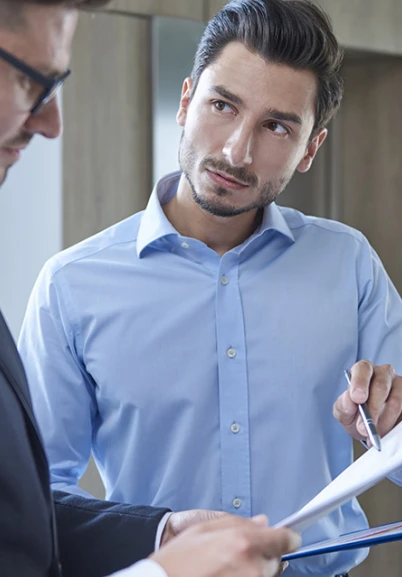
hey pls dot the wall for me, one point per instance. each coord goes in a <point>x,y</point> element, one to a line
<point>174,44</point>
<point>108,134</point>
<point>30,224</point>
<point>359,24</point>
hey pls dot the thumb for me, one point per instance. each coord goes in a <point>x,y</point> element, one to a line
<point>260,520</point>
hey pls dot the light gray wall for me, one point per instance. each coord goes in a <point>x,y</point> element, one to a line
<point>30,224</point>
<point>174,43</point>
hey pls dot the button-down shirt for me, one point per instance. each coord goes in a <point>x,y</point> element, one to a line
<point>202,381</point>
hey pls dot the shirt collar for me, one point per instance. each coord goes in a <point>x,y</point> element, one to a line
<point>273,219</point>
<point>154,224</point>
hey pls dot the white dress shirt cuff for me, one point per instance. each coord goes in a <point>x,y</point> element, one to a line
<point>146,568</point>
<point>161,527</point>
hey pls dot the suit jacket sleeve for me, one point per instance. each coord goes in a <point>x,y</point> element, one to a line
<point>97,538</point>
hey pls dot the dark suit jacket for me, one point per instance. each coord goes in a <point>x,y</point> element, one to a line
<point>95,537</point>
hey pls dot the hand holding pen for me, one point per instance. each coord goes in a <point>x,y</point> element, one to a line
<point>367,419</point>
<point>375,392</point>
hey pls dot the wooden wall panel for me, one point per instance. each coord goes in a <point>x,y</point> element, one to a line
<point>372,202</point>
<point>367,24</point>
<point>213,6</point>
<point>107,111</point>
<point>192,9</point>
<point>372,156</point>
<point>359,24</point>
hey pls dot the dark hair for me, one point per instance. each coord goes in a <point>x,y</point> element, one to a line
<point>297,33</point>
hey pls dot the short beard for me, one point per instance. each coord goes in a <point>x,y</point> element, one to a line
<point>3,175</point>
<point>269,192</point>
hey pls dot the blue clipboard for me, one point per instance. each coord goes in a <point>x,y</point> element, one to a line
<point>354,540</point>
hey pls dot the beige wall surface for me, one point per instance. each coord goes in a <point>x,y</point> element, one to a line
<point>372,156</point>
<point>360,24</point>
<point>191,9</point>
<point>108,137</point>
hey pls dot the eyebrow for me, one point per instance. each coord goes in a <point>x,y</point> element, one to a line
<point>50,73</point>
<point>272,112</point>
<point>47,71</point>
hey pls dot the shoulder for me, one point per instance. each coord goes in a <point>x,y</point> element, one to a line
<point>98,246</point>
<point>303,225</point>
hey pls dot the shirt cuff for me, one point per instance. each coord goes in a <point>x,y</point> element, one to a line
<point>161,528</point>
<point>146,568</point>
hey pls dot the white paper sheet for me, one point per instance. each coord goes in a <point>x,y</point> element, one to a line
<point>364,473</point>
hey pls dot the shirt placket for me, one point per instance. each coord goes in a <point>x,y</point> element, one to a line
<point>233,390</point>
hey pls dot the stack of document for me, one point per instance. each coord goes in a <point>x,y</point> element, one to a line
<point>363,474</point>
<point>364,538</point>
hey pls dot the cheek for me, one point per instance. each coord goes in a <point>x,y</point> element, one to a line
<point>205,136</point>
<point>278,157</point>
<point>11,121</point>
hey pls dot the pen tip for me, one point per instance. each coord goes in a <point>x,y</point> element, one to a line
<point>378,444</point>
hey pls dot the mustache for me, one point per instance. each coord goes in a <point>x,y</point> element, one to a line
<point>20,141</point>
<point>237,172</point>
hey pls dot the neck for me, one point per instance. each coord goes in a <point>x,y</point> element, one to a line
<point>221,234</point>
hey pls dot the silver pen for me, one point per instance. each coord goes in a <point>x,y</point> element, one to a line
<point>367,419</point>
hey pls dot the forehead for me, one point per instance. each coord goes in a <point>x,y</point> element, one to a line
<point>44,38</point>
<point>262,84</point>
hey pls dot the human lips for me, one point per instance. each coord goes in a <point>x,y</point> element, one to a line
<point>12,153</point>
<point>223,179</point>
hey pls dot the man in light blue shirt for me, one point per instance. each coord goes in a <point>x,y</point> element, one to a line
<point>198,347</point>
<point>41,531</point>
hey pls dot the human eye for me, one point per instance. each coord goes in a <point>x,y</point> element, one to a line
<point>277,128</point>
<point>27,83</point>
<point>222,106</point>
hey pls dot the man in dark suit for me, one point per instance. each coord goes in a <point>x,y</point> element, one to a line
<point>95,537</point>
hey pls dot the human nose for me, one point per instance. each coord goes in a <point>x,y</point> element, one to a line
<point>47,121</point>
<point>238,147</point>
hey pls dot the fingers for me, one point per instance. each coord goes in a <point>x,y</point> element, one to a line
<point>282,568</point>
<point>179,522</point>
<point>227,546</point>
<point>381,388</point>
<point>392,410</point>
<point>232,522</point>
<point>345,410</point>
<point>260,520</point>
<point>254,534</point>
<point>274,543</point>
<point>361,374</point>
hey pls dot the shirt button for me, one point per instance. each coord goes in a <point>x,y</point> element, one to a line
<point>236,503</point>
<point>185,244</point>
<point>231,353</point>
<point>235,428</point>
<point>224,280</point>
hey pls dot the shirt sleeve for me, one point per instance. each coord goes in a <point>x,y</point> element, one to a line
<point>380,317</point>
<point>63,395</point>
<point>147,568</point>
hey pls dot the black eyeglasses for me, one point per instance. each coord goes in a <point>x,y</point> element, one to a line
<point>50,84</point>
